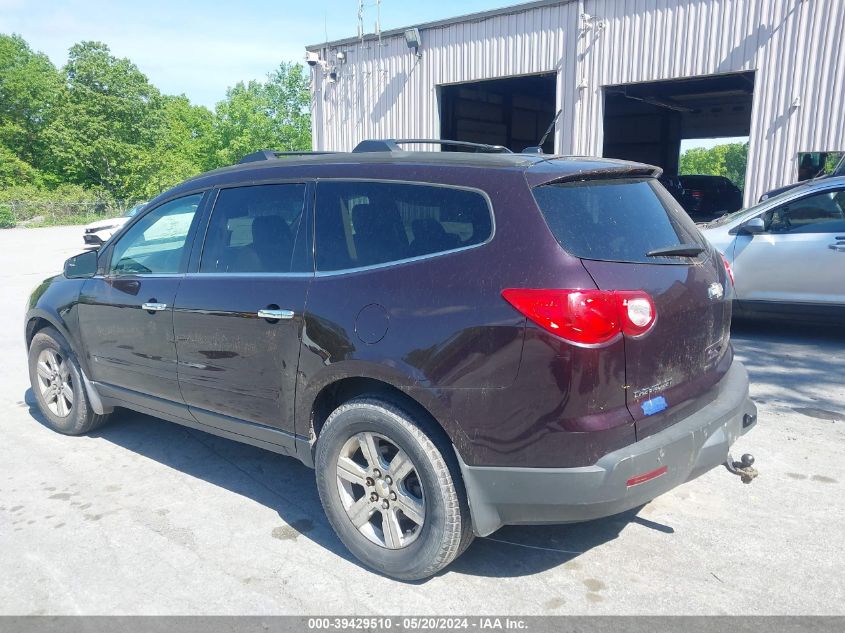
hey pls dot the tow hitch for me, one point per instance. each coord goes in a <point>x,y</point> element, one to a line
<point>743,468</point>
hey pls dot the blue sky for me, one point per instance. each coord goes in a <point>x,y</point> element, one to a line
<point>200,47</point>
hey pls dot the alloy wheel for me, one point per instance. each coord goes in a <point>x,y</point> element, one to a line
<point>380,490</point>
<point>55,382</point>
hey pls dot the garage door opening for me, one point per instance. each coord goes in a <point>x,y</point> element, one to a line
<point>513,112</point>
<point>647,122</point>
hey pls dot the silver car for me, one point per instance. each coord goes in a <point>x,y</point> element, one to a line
<point>788,252</point>
<point>98,233</point>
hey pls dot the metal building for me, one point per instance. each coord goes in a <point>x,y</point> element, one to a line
<point>630,79</point>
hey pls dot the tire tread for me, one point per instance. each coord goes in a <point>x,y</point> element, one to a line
<point>458,529</point>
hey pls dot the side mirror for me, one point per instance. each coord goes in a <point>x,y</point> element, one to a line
<point>750,227</point>
<point>81,266</point>
<point>754,226</point>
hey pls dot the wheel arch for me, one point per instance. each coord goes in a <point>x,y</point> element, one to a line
<point>341,390</point>
<point>34,325</point>
<point>39,320</point>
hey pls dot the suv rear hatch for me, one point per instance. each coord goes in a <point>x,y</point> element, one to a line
<point>618,223</point>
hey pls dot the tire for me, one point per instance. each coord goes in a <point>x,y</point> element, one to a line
<point>437,526</point>
<point>58,387</point>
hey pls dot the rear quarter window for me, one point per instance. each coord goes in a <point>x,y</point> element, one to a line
<point>615,219</point>
<point>366,223</point>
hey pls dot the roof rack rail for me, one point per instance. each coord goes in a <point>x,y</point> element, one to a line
<point>269,154</point>
<point>392,145</point>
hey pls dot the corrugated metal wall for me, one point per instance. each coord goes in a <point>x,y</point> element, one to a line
<point>794,46</point>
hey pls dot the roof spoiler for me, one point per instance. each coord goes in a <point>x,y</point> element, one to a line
<point>612,170</point>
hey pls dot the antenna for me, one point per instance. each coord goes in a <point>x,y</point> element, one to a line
<point>550,128</point>
<point>361,20</point>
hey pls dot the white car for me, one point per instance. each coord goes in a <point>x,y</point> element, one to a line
<point>98,232</point>
<point>788,253</point>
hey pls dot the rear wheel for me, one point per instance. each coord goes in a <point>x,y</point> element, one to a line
<point>390,490</point>
<point>57,384</point>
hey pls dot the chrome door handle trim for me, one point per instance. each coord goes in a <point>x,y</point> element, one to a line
<point>154,307</point>
<point>275,315</point>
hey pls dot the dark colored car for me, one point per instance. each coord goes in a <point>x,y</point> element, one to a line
<point>708,197</point>
<point>454,341</point>
<point>673,185</point>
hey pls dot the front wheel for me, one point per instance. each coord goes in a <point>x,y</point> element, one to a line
<point>57,384</point>
<point>390,491</point>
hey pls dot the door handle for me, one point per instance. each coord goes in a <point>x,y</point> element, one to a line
<point>275,314</point>
<point>152,306</point>
<point>839,247</point>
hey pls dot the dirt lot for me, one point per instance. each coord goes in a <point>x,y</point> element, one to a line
<point>146,517</point>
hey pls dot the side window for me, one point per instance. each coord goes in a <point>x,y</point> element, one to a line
<point>254,230</point>
<point>820,213</point>
<point>815,164</point>
<point>368,223</point>
<point>156,243</point>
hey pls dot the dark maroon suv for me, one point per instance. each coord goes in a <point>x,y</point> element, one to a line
<point>455,341</point>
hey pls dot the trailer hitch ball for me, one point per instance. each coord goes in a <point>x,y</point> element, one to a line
<point>744,468</point>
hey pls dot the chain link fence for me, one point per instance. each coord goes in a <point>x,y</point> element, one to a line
<point>54,213</point>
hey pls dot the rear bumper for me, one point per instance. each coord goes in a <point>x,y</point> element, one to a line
<point>687,449</point>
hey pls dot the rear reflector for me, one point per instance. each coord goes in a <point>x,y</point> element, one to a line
<point>728,268</point>
<point>641,479</point>
<point>587,317</point>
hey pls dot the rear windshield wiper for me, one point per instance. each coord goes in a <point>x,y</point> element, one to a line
<point>679,250</point>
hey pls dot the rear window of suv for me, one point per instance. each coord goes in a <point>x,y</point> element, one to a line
<point>615,219</point>
<point>366,223</point>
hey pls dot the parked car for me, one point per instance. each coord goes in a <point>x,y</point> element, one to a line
<point>673,185</point>
<point>805,176</point>
<point>708,197</point>
<point>788,253</point>
<point>454,341</point>
<point>97,233</point>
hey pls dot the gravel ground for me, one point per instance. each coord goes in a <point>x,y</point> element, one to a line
<point>147,517</point>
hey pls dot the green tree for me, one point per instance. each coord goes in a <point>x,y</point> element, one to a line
<point>106,122</point>
<point>831,162</point>
<point>98,128</point>
<point>16,172</point>
<point>727,160</point>
<point>274,114</point>
<point>29,88</point>
<point>185,145</point>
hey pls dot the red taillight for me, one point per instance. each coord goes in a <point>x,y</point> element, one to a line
<point>728,268</point>
<point>588,317</point>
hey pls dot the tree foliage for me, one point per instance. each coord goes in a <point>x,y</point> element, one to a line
<point>98,123</point>
<point>29,88</point>
<point>106,121</point>
<point>261,115</point>
<point>727,160</point>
